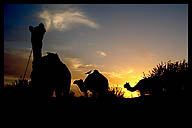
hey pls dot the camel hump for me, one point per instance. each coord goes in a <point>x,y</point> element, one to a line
<point>96,78</point>
<point>95,71</point>
<point>51,58</point>
<point>93,76</point>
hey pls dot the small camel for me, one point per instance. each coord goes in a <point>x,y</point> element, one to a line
<point>95,82</point>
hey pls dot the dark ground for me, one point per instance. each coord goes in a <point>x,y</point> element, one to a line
<point>22,106</point>
<point>26,96</point>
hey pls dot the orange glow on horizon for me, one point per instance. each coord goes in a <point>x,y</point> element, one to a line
<point>129,94</point>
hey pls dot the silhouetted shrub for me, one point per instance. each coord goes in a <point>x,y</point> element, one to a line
<point>116,92</point>
<point>19,83</point>
<point>169,68</point>
<point>170,77</point>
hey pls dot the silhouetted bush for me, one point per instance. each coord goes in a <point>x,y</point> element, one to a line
<point>169,68</point>
<point>19,83</point>
<point>116,92</point>
<point>170,78</point>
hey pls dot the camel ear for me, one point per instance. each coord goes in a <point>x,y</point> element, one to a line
<point>30,28</point>
<point>41,25</point>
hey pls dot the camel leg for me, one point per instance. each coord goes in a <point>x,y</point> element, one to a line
<point>142,93</point>
<point>58,92</point>
<point>86,94</point>
<point>94,94</point>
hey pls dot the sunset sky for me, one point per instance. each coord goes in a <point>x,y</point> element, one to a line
<point>121,41</point>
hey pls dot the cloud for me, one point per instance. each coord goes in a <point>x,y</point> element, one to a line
<point>78,65</point>
<point>65,20</point>
<point>130,71</point>
<point>113,74</point>
<point>120,74</point>
<point>75,63</point>
<point>101,53</point>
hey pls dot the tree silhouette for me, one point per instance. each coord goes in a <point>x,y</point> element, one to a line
<point>171,77</point>
<point>166,79</point>
<point>116,92</point>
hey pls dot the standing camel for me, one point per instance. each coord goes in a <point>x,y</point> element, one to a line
<point>48,72</point>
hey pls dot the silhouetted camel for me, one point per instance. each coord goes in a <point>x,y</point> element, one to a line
<point>146,86</point>
<point>48,73</point>
<point>139,87</point>
<point>128,87</point>
<point>95,82</point>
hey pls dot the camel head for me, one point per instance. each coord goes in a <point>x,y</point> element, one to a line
<point>80,84</point>
<point>53,57</point>
<point>127,86</point>
<point>37,32</point>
